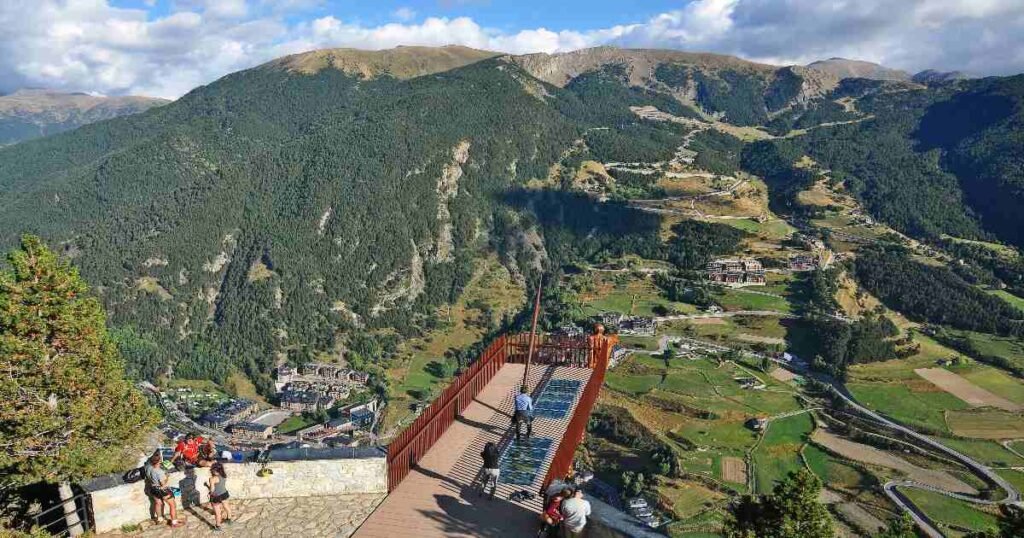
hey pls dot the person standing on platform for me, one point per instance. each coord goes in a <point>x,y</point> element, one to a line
<point>523,413</point>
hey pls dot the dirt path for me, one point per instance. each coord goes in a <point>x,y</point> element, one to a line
<point>873,456</point>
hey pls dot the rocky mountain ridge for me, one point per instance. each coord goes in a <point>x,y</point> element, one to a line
<point>31,113</point>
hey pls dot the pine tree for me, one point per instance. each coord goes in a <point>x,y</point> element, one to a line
<point>791,510</point>
<point>68,411</point>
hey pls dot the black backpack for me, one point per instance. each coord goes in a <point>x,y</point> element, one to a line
<point>134,475</point>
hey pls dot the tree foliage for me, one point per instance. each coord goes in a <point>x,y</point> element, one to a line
<point>68,410</point>
<point>933,294</point>
<point>791,510</point>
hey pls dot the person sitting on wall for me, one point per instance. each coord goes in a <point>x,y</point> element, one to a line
<point>188,451</point>
<point>207,453</point>
<point>523,412</point>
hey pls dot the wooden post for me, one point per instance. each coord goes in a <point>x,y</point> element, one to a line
<point>533,331</point>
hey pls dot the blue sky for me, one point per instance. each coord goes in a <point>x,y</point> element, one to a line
<point>167,47</point>
<point>501,14</point>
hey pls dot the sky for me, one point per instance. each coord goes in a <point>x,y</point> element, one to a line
<point>165,48</point>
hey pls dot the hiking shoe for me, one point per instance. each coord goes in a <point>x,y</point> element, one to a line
<point>176,524</point>
<point>217,529</point>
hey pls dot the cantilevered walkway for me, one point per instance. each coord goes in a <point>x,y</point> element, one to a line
<point>440,495</point>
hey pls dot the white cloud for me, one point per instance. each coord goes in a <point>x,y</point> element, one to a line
<point>90,45</point>
<point>404,14</point>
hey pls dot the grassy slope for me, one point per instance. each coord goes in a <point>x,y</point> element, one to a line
<point>950,511</point>
<point>779,451</point>
<point>491,284</point>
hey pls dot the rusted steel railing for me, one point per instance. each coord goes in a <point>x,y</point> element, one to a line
<point>562,463</point>
<point>550,350</point>
<point>407,449</point>
<point>580,352</point>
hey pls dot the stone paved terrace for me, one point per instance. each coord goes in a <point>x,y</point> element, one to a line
<point>335,516</point>
<point>440,497</point>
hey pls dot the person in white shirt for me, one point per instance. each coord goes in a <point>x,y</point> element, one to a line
<point>575,511</point>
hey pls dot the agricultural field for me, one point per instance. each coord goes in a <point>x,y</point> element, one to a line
<point>875,457</point>
<point>920,405</point>
<point>835,472</point>
<point>989,345</point>
<point>626,293</point>
<point>753,299</point>
<point>986,424</point>
<point>986,451</point>
<point>778,454</point>
<point>773,229</point>
<point>946,511</point>
<point>905,390</point>
<point>1017,302</point>
<point>969,392</point>
<point>699,408</point>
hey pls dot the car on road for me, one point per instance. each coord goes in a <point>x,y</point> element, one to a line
<point>643,512</point>
<point>638,502</point>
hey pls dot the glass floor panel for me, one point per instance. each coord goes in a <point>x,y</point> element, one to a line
<point>556,398</point>
<point>522,460</point>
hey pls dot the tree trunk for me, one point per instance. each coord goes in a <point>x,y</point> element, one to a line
<point>71,519</point>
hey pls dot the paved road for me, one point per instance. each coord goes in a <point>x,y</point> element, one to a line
<point>1012,494</point>
<point>923,521</point>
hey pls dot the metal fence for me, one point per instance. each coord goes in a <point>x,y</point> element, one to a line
<point>581,352</point>
<point>551,350</point>
<point>53,520</point>
<point>407,449</point>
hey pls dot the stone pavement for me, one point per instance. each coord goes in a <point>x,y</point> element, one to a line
<point>310,517</point>
<point>441,498</point>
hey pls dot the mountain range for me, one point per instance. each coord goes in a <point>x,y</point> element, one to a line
<point>844,68</point>
<point>32,113</point>
<point>283,208</point>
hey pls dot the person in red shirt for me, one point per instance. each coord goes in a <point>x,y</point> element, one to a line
<point>552,515</point>
<point>188,451</point>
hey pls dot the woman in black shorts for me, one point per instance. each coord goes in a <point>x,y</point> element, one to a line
<point>218,486</point>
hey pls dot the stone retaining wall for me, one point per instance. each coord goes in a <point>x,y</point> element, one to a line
<point>116,504</point>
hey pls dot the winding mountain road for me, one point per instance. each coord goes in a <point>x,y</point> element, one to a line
<point>890,488</point>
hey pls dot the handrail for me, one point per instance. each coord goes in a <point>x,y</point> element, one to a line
<point>405,451</point>
<point>562,463</point>
<point>60,519</point>
<point>408,447</point>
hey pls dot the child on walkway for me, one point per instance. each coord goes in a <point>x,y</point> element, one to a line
<point>492,459</point>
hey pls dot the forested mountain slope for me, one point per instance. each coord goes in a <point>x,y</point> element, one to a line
<point>268,209</point>
<point>27,114</point>
<point>283,209</point>
<point>928,161</point>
